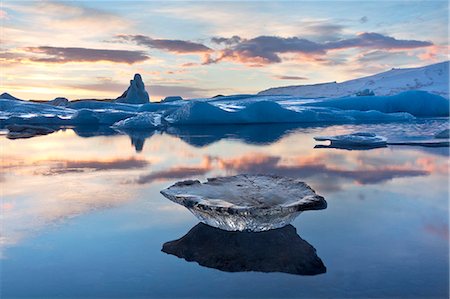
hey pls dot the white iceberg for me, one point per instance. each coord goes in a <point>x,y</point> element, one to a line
<point>246,202</point>
<point>136,93</point>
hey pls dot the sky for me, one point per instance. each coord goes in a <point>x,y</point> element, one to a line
<point>91,49</point>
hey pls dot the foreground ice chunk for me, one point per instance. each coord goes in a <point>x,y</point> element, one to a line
<point>278,250</point>
<point>246,202</point>
<point>359,139</point>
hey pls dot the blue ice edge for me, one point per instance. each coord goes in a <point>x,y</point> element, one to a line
<point>251,110</point>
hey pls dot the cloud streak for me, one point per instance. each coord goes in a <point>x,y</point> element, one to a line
<point>170,45</point>
<point>65,55</point>
<point>70,166</point>
<point>290,78</point>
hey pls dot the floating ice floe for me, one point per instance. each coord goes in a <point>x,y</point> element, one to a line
<point>365,141</point>
<point>354,141</point>
<point>246,202</point>
<point>278,250</point>
<point>142,121</point>
<point>196,113</point>
<point>416,102</point>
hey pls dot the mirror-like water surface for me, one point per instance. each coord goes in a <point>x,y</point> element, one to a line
<point>82,215</point>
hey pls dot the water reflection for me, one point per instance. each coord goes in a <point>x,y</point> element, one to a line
<point>261,134</point>
<point>197,136</point>
<point>84,204</point>
<point>279,250</point>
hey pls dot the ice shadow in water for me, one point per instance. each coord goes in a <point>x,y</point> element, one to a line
<point>278,250</point>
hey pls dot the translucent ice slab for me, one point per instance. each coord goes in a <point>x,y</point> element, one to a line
<point>246,202</point>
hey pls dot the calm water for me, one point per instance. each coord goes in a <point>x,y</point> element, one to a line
<point>82,216</point>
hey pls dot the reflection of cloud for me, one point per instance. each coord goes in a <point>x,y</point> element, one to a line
<point>42,204</point>
<point>431,164</point>
<point>301,167</point>
<point>172,173</point>
<point>170,45</point>
<point>69,166</point>
<point>307,167</point>
<point>438,230</point>
<point>64,55</point>
<point>179,172</point>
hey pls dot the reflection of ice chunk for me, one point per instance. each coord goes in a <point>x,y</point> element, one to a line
<point>246,202</point>
<point>135,94</point>
<point>417,103</point>
<point>443,134</point>
<point>357,140</point>
<point>142,121</point>
<point>26,131</point>
<point>279,250</point>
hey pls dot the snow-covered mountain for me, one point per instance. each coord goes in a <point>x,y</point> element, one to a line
<point>432,78</point>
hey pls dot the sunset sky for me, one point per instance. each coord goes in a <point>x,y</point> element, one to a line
<point>91,49</point>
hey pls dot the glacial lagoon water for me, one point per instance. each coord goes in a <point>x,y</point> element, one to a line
<point>82,216</point>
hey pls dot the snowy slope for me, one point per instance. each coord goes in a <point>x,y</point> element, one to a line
<point>432,78</point>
